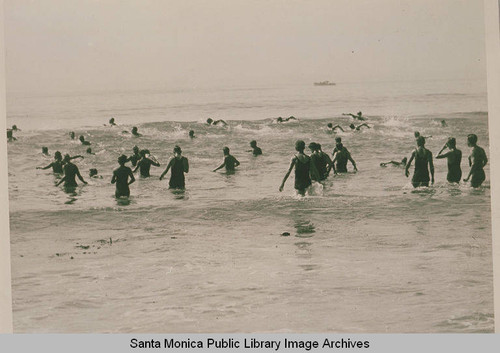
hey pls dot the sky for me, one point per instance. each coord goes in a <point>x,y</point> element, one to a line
<point>79,45</point>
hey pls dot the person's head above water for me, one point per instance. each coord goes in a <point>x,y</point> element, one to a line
<point>14,127</point>
<point>89,150</point>
<point>92,172</point>
<point>330,125</point>
<point>416,134</point>
<point>253,143</point>
<point>225,150</point>
<point>81,138</point>
<point>280,119</point>
<point>58,155</point>
<point>111,121</point>
<point>360,113</point>
<point>122,159</point>
<point>420,141</point>
<point>72,135</point>
<point>135,150</point>
<point>210,121</point>
<point>134,130</point>
<point>352,126</point>
<point>404,160</point>
<point>191,133</point>
<point>300,146</point>
<point>471,140</point>
<point>451,143</point>
<point>45,150</point>
<point>338,139</point>
<point>177,150</point>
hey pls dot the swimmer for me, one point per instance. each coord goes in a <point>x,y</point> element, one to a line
<point>281,120</point>
<point>302,164</point>
<point>229,162</point>
<point>70,172</point>
<point>135,132</point>
<point>14,128</point>
<point>423,162</point>
<point>191,134</point>
<point>477,161</point>
<point>320,161</point>
<point>89,151</point>
<point>45,151</point>
<point>211,121</point>
<point>255,150</point>
<point>145,164</point>
<point>454,158</point>
<point>121,176</point>
<point>10,136</point>
<point>112,122</point>
<point>179,165</point>
<point>417,134</point>
<point>72,135</point>
<point>443,123</point>
<point>135,157</point>
<point>358,116</point>
<point>58,164</point>
<point>357,128</point>
<point>93,174</point>
<point>397,164</point>
<point>340,156</point>
<point>82,140</point>
<point>332,128</point>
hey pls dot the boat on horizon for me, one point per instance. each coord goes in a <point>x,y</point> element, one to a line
<point>324,83</point>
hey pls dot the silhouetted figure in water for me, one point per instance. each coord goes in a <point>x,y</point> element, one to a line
<point>340,157</point>
<point>45,151</point>
<point>178,165</point>
<point>94,174</point>
<point>396,163</point>
<point>112,122</point>
<point>303,167</point>
<point>454,158</point>
<point>70,172</point>
<point>135,132</point>
<point>443,123</point>
<point>255,150</point>
<point>423,163</point>
<point>321,161</point>
<point>89,151</point>
<point>121,177</point>
<point>358,116</point>
<point>333,128</point>
<point>477,161</point>
<point>229,162</point>
<point>82,140</point>
<point>211,121</point>
<point>281,120</point>
<point>357,128</point>
<point>191,134</point>
<point>417,134</point>
<point>10,136</point>
<point>135,157</point>
<point>14,128</point>
<point>58,164</point>
<point>145,164</point>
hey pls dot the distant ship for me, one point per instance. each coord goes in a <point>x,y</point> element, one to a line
<point>324,83</point>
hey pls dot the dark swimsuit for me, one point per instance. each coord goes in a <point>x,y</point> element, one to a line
<point>177,174</point>
<point>122,188</point>
<point>421,173</point>
<point>478,175</point>
<point>320,163</point>
<point>342,158</point>
<point>454,170</point>
<point>302,178</point>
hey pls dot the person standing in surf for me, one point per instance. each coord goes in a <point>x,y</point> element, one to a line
<point>58,164</point>
<point>229,162</point>
<point>256,151</point>
<point>121,178</point>
<point>477,161</point>
<point>145,164</point>
<point>423,163</point>
<point>178,165</point>
<point>135,157</point>
<point>70,172</point>
<point>454,158</point>
<point>303,166</point>
<point>340,156</point>
<point>320,161</point>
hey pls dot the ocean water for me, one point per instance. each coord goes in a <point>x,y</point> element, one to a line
<point>365,252</point>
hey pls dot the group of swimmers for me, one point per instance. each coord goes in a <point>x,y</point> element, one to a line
<point>308,168</point>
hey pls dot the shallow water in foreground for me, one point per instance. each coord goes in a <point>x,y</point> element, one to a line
<point>366,252</point>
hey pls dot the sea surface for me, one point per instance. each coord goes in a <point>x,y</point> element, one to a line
<point>365,253</point>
